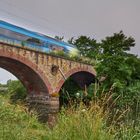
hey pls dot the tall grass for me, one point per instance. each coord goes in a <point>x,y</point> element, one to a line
<point>101,120</point>
<point>98,121</point>
<point>81,124</point>
<point>17,124</point>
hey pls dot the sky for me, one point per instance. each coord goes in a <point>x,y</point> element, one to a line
<point>72,18</point>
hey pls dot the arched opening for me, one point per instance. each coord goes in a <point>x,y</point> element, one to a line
<point>12,88</point>
<point>75,86</point>
<point>5,76</point>
<point>28,77</point>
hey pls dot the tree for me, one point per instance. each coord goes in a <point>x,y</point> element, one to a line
<point>59,38</point>
<point>88,47</point>
<point>113,60</point>
<point>114,63</point>
<point>117,69</point>
<point>117,44</point>
<point>120,68</point>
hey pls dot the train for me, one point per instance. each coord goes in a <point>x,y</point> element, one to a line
<point>21,37</point>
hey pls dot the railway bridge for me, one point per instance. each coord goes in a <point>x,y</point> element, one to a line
<point>43,75</point>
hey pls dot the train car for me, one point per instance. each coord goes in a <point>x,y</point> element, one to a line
<point>21,37</point>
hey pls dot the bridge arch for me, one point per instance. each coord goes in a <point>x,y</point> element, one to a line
<point>82,77</point>
<point>27,72</point>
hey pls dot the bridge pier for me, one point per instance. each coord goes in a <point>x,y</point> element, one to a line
<point>47,107</point>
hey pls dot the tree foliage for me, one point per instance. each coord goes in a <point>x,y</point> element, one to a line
<point>115,64</point>
<point>16,91</point>
<point>88,47</point>
<point>113,59</point>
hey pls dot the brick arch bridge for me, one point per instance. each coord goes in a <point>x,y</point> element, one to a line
<point>43,75</point>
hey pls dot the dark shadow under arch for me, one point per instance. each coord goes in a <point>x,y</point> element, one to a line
<point>83,78</point>
<point>76,82</point>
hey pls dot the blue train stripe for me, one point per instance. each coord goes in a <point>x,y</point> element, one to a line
<point>33,34</point>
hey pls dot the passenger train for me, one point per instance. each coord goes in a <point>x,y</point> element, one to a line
<point>21,37</point>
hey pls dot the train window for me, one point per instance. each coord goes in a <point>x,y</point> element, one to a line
<point>13,35</point>
<point>34,40</point>
<point>55,47</point>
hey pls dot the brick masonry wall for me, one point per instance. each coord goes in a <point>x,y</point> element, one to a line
<point>42,64</point>
<point>46,106</point>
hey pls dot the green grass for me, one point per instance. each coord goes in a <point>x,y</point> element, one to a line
<point>17,124</point>
<point>80,123</point>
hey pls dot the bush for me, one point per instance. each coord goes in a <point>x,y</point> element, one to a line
<point>16,91</point>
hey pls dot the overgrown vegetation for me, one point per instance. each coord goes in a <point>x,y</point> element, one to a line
<point>17,124</point>
<point>118,73</point>
<point>95,122</point>
<point>117,69</point>
<point>15,91</point>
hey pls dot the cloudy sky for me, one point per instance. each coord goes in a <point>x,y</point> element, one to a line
<point>68,18</point>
